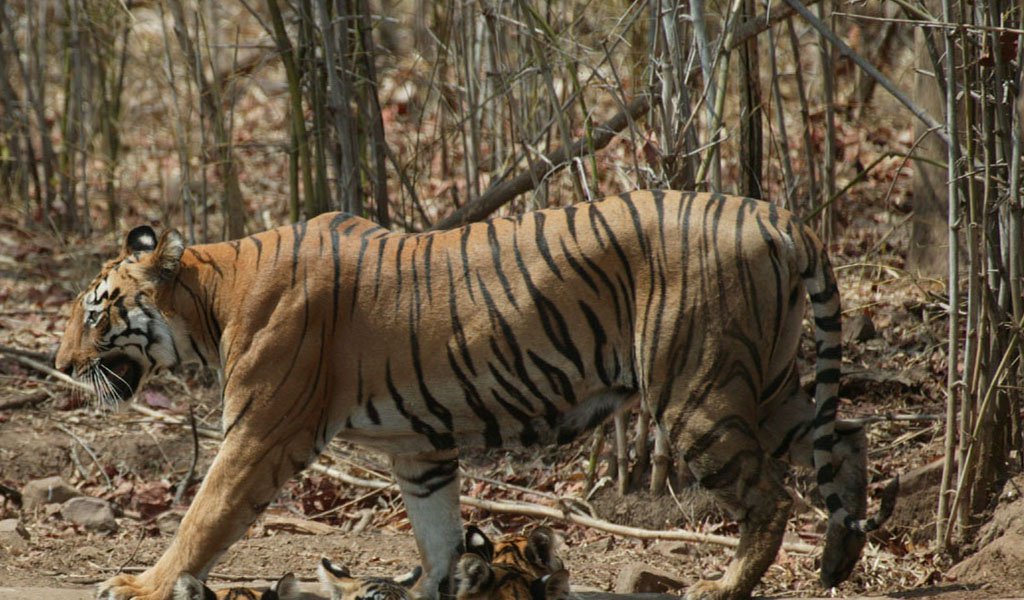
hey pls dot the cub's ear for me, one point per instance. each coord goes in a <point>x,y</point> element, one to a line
<point>408,580</point>
<point>540,550</point>
<point>188,587</point>
<point>285,588</point>
<point>140,239</point>
<point>166,256</point>
<point>478,543</point>
<point>551,587</point>
<point>473,576</point>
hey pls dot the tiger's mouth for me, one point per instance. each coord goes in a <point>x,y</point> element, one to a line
<point>121,375</point>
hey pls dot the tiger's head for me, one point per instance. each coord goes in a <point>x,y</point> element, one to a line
<point>339,583</point>
<point>535,554</point>
<point>477,579</point>
<point>188,587</point>
<point>117,334</point>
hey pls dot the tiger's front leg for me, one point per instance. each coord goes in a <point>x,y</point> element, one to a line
<point>245,476</point>
<point>430,490</point>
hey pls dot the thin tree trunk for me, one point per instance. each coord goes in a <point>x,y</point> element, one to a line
<point>210,105</point>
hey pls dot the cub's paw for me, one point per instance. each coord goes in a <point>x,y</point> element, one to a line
<point>129,587</point>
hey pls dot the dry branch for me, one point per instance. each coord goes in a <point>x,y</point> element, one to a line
<point>500,193</point>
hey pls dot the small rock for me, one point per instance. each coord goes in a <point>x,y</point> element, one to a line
<point>44,491</point>
<point>673,549</point>
<point>92,513</point>
<point>13,534</point>
<point>861,329</point>
<point>168,522</point>
<point>639,578</point>
<point>13,537</point>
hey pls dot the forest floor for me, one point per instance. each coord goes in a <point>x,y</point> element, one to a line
<point>134,456</point>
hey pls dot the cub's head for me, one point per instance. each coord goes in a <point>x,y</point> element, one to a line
<point>476,579</point>
<point>117,336</point>
<point>188,587</point>
<point>339,583</point>
<point>534,554</point>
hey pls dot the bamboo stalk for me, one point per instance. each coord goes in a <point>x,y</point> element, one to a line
<point>805,113</point>
<point>302,166</point>
<point>942,522</point>
<point>380,188</point>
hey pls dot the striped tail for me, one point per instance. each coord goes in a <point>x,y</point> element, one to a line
<point>824,293</point>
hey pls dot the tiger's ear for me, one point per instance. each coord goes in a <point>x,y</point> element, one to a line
<point>478,543</point>
<point>166,256</point>
<point>140,239</point>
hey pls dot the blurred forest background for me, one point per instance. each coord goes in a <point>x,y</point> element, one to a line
<point>226,118</point>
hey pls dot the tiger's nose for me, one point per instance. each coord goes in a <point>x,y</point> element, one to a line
<point>64,365</point>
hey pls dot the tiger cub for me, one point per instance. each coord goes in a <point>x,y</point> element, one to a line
<point>339,583</point>
<point>188,587</point>
<point>517,567</point>
<point>476,579</point>
<point>533,554</point>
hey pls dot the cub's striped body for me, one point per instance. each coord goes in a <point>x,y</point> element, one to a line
<point>516,331</point>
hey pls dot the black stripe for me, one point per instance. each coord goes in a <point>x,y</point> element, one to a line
<point>542,244</point>
<point>259,248</point>
<point>833,353</point>
<point>492,239</point>
<point>439,440</point>
<point>600,339</point>
<point>492,431</point>
<point>552,320</point>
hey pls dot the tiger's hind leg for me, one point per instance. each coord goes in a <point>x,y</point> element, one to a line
<point>720,446</point>
<point>786,432</point>
<point>430,490</point>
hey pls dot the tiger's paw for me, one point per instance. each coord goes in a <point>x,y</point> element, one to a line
<point>128,587</point>
<point>842,551</point>
<point>707,589</point>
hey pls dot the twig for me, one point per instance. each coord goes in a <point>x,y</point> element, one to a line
<point>25,401</point>
<point>88,451</point>
<point>190,475</point>
<point>888,418</point>
<point>12,351</point>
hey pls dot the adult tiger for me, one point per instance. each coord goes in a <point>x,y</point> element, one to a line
<point>516,331</point>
